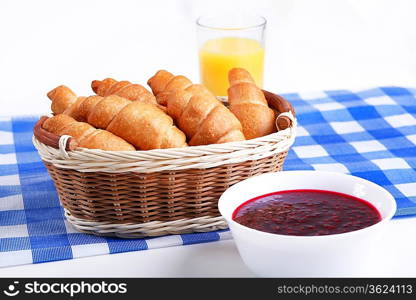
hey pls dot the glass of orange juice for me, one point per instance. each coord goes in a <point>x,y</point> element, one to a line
<point>229,41</point>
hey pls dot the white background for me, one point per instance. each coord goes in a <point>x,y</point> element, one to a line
<point>311,45</point>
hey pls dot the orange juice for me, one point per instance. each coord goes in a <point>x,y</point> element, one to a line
<point>218,56</point>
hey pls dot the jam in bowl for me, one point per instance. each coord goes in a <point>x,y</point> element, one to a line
<point>306,223</point>
<point>306,213</point>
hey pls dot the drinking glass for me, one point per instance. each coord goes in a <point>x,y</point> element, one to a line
<point>228,41</point>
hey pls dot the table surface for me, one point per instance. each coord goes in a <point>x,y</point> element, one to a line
<point>310,47</point>
<point>393,256</point>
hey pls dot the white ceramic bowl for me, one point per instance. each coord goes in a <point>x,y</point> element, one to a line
<point>276,255</point>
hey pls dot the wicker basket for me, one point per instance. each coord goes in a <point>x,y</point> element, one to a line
<point>157,192</point>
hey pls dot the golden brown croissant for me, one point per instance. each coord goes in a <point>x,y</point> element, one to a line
<point>65,97</point>
<point>164,82</point>
<point>85,135</point>
<point>197,112</point>
<point>249,104</point>
<point>125,89</point>
<point>143,125</point>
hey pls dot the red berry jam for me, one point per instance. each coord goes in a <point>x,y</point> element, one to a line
<point>306,213</point>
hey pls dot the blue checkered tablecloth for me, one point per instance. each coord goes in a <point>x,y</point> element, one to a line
<point>369,133</point>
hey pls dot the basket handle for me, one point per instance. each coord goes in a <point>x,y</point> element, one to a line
<point>283,107</point>
<point>51,139</point>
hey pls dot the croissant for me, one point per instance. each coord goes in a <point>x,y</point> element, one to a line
<point>143,125</point>
<point>66,98</point>
<point>85,135</point>
<point>197,112</point>
<point>164,82</point>
<point>125,89</point>
<point>248,103</point>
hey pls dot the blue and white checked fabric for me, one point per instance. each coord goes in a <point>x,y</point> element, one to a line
<point>369,133</point>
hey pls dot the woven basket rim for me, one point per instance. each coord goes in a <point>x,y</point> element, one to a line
<point>194,157</point>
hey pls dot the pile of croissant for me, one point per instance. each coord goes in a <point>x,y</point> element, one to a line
<point>177,113</point>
